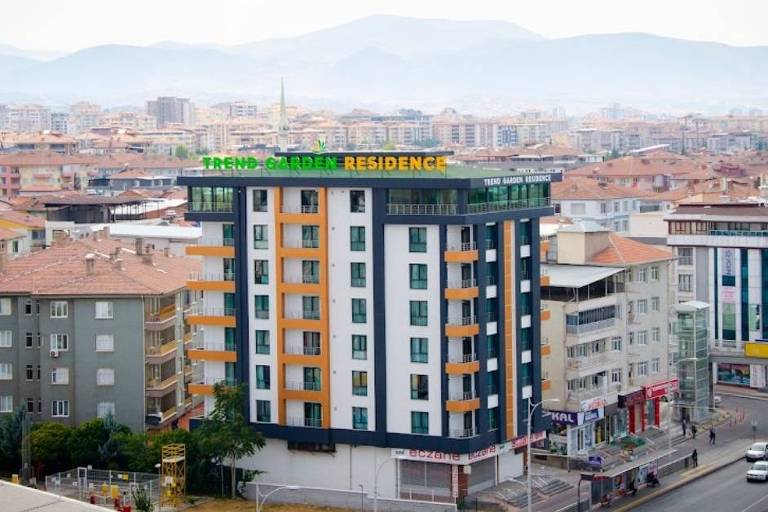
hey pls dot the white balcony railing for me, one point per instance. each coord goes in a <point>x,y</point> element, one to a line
<point>462,283</point>
<point>211,276</point>
<point>301,349</point>
<point>462,395</point>
<point>462,246</point>
<point>301,385</point>
<point>462,358</point>
<point>298,421</point>
<point>462,433</point>
<point>466,320</point>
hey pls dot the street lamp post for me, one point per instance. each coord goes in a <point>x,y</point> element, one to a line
<point>531,409</point>
<point>260,502</point>
<point>376,486</point>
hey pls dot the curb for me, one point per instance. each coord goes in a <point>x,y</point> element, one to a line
<point>680,483</point>
<point>748,396</point>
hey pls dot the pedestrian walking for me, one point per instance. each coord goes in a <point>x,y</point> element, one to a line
<point>695,458</point>
<point>693,431</point>
<point>684,425</point>
<point>711,435</point>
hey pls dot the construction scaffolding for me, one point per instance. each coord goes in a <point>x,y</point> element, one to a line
<point>173,471</point>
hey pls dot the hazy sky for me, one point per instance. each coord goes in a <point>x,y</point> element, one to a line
<point>73,24</point>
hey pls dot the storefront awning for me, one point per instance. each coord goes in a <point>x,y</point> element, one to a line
<point>640,461</point>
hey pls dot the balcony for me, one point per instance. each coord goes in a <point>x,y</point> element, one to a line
<point>157,354</point>
<point>213,351</point>
<point>221,317</point>
<point>421,209</point>
<point>465,252</point>
<point>545,314</point>
<point>302,385</point>
<point>205,386</point>
<point>161,319</point>
<point>595,361</point>
<point>212,281</point>
<point>462,327</point>
<point>300,214</point>
<point>462,433</point>
<point>209,246</point>
<point>585,394</point>
<point>578,330</point>
<point>157,418</point>
<point>157,388</point>
<point>462,289</point>
<point>210,207</point>
<point>300,349</point>
<point>462,364</point>
<point>462,401</point>
<point>501,206</point>
<point>298,421</point>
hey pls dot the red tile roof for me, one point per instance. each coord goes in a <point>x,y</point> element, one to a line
<point>9,234</point>
<point>624,251</point>
<point>580,187</point>
<point>22,218</point>
<point>630,167</point>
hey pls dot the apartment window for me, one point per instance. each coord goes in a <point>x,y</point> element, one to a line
<point>493,418</point>
<point>60,408</point>
<point>685,282</point>
<point>493,345</point>
<point>616,376</point>
<point>260,236</point>
<point>5,306</point>
<point>309,201</point>
<point>419,422</point>
<point>417,239</point>
<point>105,377</point>
<point>642,306</point>
<point>262,342</point>
<point>104,310</point>
<point>357,201</point>
<point>60,376</point>
<point>358,275</point>
<point>642,369</point>
<point>419,350</point>
<point>59,342</point>
<point>228,265</point>
<point>578,208</point>
<point>603,207</point>
<point>685,256</point>
<point>259,200</point>
<point>310,237</point>
<point>263,411</point>
<point>493,382</point>
<point>654,273</point>
<point>311,343</point>
<point>419,312</point>
<point>642,338</point>
<point>104,409</point>
<point>38,372</point>
<point>262,376</point>
<point>105,343</point>
<point>359,383</point>
<point>655,365</point>
<point>360,418</point>
<point>59,309</point>
<point>310,271</point>
<point>631,336</point>
<point>6,339</point>
<point>419,387</point>
<point>261,303</point>
<point>656,334</point>
<point>418,273</point>
<point>642,275</point>
<point>359,346</point>
<point>357,238</point>
<point>6,403</point>
<point>30,405</point>
<point>29,340</point>
<point>655,303</point>
<point>28,307</point>
<point>39,340</point>
<point>261,272</point>
<point>30,372</point>
<point>359,314</point>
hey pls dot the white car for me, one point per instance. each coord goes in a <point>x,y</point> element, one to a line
<point>758,471</point>
<point>758,451</point>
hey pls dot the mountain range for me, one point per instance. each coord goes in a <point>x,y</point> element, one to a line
<point>386,61</point>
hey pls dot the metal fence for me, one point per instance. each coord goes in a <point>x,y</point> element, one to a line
<point>102,486</point>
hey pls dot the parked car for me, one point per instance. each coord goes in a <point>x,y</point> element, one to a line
<point>758,451</point>
<point>758,471</point>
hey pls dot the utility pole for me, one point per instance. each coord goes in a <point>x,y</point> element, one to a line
<point>26,451</point>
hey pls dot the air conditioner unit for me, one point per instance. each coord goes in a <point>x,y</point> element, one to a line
<point>54,353</point>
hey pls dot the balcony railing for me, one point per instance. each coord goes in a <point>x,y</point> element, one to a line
<point>466,320</point>
<point>201,310</point>
<point>421,209</point>
<point>298,421</point>
<point>301,349</point>
<point>217,346</point>
<point>590,327</point>
<point>730,232</point>
<point>302,385</point>
<point>210,207</point>
<point>302,279</point>
<point>462,358</point>
<point>304,208</point>
<point>462,433</point>
<point>498,206</point>
<point>585,394</point>
<point>462,283</point>
<point>304,243</point>
<point>307,314</point>
<point>211,276</point>
<point>462,395</point>
<point>216,241</point>
<point>462,247</point>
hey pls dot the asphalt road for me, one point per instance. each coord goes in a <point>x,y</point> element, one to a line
<point>726,490</point>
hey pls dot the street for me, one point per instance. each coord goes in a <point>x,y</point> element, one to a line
<point>727,489</point>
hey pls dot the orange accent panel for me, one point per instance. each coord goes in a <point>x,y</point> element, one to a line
<point>222,321</point>
<point>320,289</point>
<point>200,389</point>
<point>462,405</point>
<point>210,250</point>
<point>460,331</point>
<point>462,368</point>
<point>461,293</point>
<point>212,286</point>
<point>460,256</point>
<point>546,314</point>
<point>544,280</point>
<point>546,384</point>
<point>226,356</point>
<point>510,373</point>
<point>546,350</point>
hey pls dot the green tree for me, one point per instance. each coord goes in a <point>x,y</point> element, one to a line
<point>10,439</point>
<point>94,443</point>
<point>49,447</point>
<point>182,152</point>
<point>141,500</point>
<point>226,435</point>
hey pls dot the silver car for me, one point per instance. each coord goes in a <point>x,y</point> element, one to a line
<point>758,471</point>
<point>758,451</point>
